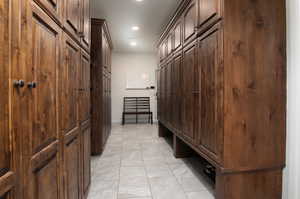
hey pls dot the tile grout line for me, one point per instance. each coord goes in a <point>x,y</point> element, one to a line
<point>147,174</point>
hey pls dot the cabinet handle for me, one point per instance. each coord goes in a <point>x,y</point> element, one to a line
<point>32,85</point>
<point>19,83</point>
<point>81,34</point>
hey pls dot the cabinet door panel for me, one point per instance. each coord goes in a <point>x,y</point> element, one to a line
<point>211,94</point>
<point>170,43</point>
<point>44,174</point>
<point>177,92</point>
<point>163,93</point>
<point>72,165</point>
<point>72,17</point>
<point>208,9</point>
<point>53,7</point>
<point>5,149</point>
<point>86,23</point>
<point>86,158</point>
<point>68,87</point>
<point>188,71</point>
<point>177,35</point>
<point>84,87</point>
<point>190,21</point>
<point>45,62</point>
<point>169,92</point>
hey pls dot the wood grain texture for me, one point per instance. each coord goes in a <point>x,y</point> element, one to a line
<point>101,85</point>
<point>233,91</point>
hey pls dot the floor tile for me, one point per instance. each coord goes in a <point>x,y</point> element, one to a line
<point>166,187</point>
<point>137,164</point>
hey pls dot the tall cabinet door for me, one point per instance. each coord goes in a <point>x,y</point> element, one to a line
<point>6,174</point>
<point>86,24</point>
<point>84,88</point>
<point>68,90</point>
<point>211,134</point>
<point>72,17</point>
<point>176,105</point>
<point>188,99</point>
<point>43,164</point>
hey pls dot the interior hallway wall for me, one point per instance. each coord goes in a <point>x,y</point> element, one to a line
<point>291,185</point>
<point>122,63</point>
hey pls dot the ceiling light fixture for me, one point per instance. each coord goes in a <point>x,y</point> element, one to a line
<point>139,0</point>
<point>135,28</point>
<point>133,43</point>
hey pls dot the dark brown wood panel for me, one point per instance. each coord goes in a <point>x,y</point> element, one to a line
<point>208,11</point>
<point>72,164</point>
<point>101,85</point>
<point>68,84</point>
<point>190,21</point>
<point>44,65</point>
<point>86,24</point>
<point>43,174</point>
<point>211,73</point>
<point>178,35</point>
<point>84,88</point>
<point>53,7</point>
<point>256,85</point>
<point>72,17</point>
<point>233,92</point>
<point>5,147</point>
<point>177,91</point>
<point>188,86</point>
<point>86,159</point>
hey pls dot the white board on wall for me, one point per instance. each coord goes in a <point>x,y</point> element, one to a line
<point>138,80</point>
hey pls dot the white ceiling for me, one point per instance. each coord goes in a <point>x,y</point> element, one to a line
<point>150,15</point>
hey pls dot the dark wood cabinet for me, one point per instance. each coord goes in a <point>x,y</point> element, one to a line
<point>101,85</point>
<point>229,91</point>
<point>211,100</point>
<point>188,84</point>
<point>45,101</point>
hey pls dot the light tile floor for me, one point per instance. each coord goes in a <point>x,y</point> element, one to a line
<point>137,164</point>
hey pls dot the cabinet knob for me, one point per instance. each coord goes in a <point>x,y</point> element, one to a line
<point>19,83</point>
<point>32,85</point>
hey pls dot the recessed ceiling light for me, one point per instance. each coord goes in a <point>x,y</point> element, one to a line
<point>133,43</point>
<point>139,0</point>
<point>135,28</point>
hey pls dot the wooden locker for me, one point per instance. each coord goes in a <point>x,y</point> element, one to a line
<point>188,85</point>
<point>41,147</point>
<point>211,80</point>
<point>84,88</point>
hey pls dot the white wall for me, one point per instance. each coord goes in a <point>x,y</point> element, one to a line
<point>292,172</point>
<point>133,63</point>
